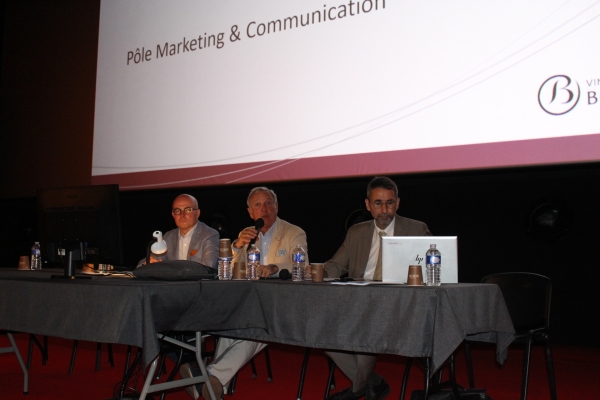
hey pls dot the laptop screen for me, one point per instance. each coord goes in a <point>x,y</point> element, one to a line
<point>398,252</point>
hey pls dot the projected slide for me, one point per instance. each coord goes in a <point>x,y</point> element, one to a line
<point>235,91</point>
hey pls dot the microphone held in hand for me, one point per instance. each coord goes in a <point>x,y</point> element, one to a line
<point>258,224</point>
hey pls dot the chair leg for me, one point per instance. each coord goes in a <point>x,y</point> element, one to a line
<point>30,351</point>
<point>73,355</point>
<point>127,359</point>
<point>469,365</point>
<point>525,378</point>
<point>111,360</point>
<point>253,366</point>
<point>331,379</point>
<point>231,389</point>
<point>129,369</point>
<point>453,377</point>
<point>550,368</point>
<point>405,377</point>
<point>43,349</point>
<point>303,373</point>
<point>268,361</point>
<point>161,367</point>
<point>427,378</point>
<point>98,352</point>
<point>331,369</point>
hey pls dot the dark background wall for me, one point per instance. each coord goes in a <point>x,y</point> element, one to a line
<point>47,96</point>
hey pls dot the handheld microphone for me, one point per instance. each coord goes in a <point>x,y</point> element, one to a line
<point>258,224</point>
<point>284,275</point>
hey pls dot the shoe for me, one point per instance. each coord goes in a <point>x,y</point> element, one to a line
<point>216,387</point>
<point>379,390</point>
<point>347,394</point>
<point>187,371</point>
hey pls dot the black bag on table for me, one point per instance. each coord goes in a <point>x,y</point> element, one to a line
<point>176,270</point>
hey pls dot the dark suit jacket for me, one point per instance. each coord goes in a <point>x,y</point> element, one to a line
<point>204,246</point>
<point>353,255</point>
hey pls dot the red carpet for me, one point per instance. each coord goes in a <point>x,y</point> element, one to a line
<point>576,372</point>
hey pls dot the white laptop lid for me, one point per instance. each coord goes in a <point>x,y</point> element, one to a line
<point>398,252</point>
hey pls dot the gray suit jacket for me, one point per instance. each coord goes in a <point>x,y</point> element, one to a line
<point>353,255</point>
<point>204,246</point>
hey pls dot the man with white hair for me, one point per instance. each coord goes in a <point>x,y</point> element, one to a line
<point>276,240</point>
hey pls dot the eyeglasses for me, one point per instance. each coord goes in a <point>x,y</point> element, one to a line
<point>268,204</point>
<point>187,210</point>
<point>377,204</point>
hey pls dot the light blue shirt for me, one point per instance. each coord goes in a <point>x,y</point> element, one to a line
<point>265,244</point>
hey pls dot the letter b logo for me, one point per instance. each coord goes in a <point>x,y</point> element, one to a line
<point>558,95</point>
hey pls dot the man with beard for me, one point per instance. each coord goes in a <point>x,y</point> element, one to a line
<point>359,258</point>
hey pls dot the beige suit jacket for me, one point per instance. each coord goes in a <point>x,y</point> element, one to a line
<point>353,255</point>
<point>283,240</point>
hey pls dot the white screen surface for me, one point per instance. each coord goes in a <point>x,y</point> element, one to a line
<point>362,88</point>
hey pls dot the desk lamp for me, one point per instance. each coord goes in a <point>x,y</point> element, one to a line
<point>156,245</point>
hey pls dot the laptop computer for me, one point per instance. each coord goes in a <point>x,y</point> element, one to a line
<point>398,252</point>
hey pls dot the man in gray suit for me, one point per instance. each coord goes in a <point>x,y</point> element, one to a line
<point>192,240</point>
<point>359,258</point>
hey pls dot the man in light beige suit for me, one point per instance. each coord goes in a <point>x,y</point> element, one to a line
<point>276,241</point>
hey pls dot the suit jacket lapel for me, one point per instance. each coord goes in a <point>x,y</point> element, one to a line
<point>364,247</point>
<point>397,226</point>
<point>173,245</point>
<point>195,242</point>
<point>275,241</point>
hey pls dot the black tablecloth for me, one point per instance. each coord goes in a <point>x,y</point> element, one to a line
<point>394,319</point>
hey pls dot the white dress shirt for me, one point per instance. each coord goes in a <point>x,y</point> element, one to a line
<point>375,243</point>
<point>184,244</point>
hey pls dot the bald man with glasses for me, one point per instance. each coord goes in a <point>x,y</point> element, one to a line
<point>359,258</point>
<point>192,240</point>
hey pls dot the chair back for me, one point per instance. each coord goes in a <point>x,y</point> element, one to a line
<point>527,298</point>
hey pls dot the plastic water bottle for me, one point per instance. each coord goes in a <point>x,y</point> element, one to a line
<point>298,261</point>
<point>225,270</point>
<point>36,256</point>
<point>253,263</point>
<point>434,265</point>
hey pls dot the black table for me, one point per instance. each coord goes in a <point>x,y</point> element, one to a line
<point>393,319</point>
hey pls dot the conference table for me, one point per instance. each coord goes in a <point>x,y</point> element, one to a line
<point>376,318</point>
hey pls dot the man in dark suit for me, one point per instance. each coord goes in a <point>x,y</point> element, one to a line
<point>192,240</point>
<point>359,257</point>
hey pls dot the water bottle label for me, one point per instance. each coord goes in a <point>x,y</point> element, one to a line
<point>298,258</point>
<point>225,259</point>
<point>434,259</point>
<point>35,252</point>
<point>253,257</point>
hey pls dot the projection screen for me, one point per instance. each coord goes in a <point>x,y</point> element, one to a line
<point>193,92</point>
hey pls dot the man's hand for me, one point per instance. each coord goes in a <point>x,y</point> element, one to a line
<point>266,270</point>
<point>245,237</point>
<point>154,260</point>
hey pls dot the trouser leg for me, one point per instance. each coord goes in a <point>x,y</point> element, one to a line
<point>357,367</point>
<point>230,356</point>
